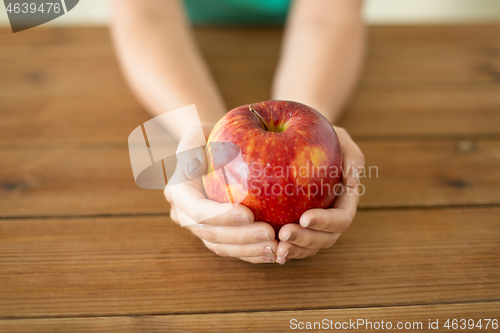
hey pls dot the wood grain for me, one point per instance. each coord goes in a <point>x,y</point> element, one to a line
<point>433,56</point>
<point>406,58</point>
<point>69,181</point>
<point>92,181</point>
<point>270,321</point>
<point>48,77</point>
<point>109,119</point>
<point>431,173</point>
<point>148,265</point>
<point>423,114</point>
<point>69,120</point>
<point>78,238</point>
<point>65,86</point>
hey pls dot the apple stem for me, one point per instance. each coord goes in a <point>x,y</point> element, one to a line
<point>250,107</point>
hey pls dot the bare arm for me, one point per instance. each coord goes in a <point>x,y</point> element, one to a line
<point>320,62</point>
<point>165,70</point>
<point>160,59</point>
<point>322,55</point>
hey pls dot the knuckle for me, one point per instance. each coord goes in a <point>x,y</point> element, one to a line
<point>217,250</point>
<point>350,218</point>
<point>193,211</point>
<point>342,227</point>
<point>362,158</point>
<point>206,233</point>
<point>248,252</point>
<point>194,229</point>
<point>330,243</point>
<point>358,156</point>
<point>208,245</point>
<point>219,219</point>
<point>214,248</point>
<point>347,225</point>
<point>252,260</point>
<point>308,243</point>
<point>239,238</point>
<point>249,260</point>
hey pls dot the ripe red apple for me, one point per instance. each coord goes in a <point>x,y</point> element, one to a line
<point>291,160</point>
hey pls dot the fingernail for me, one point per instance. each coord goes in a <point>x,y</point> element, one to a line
<point>242,219</point>
<point>281,260</point>
<point>266,250</point>
<point>311,223</point>
<point>269,258</point>
<point>292,237</point>
<point>262,236</point>
<point>355,175</point>
<point>193,164</point>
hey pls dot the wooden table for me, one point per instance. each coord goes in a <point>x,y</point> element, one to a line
<point>82,248</point>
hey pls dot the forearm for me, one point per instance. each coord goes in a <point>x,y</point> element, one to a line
<point>322,55</point>
<point>160,59</point>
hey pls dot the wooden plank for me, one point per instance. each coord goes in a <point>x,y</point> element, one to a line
<point>444,54</point>
<point>30,78</point>
<point>398,58</point>
<point>64,74</point>
<point>423,114</point>
<point>70,181</point>
<point>148,265</point>
<point>69,120</point>
<point>109,119</point>
<point>275,321</point>
<point>55,40</point>
<point>87,180</point>
<point>431,173</point>
<point>434,56</point>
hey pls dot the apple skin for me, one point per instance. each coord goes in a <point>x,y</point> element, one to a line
<point>297,136</point>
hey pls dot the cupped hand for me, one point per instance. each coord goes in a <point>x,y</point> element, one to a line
<point>226,229</point>
<point>321,228</point>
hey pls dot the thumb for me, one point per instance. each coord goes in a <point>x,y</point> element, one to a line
<point>191,153</point>
<point>193,162</point>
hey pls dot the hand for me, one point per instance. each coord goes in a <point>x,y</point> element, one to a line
<point>320,228</point>
<point>232,233</point>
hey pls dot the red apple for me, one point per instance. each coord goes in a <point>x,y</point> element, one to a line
<point>291,160</point>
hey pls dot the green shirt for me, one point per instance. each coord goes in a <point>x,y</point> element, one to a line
<point>237,12</point>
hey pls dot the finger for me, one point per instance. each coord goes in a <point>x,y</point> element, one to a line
<point>307,238</point>
<point>240,235</point>
<point>336,219</point>
<point>188,198</point>
<point>191,153</point>
<point>243,251</point>
<point>353,160</point>
<point>267,259</point>
<point>193,162</point>
<point>287,251</point>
